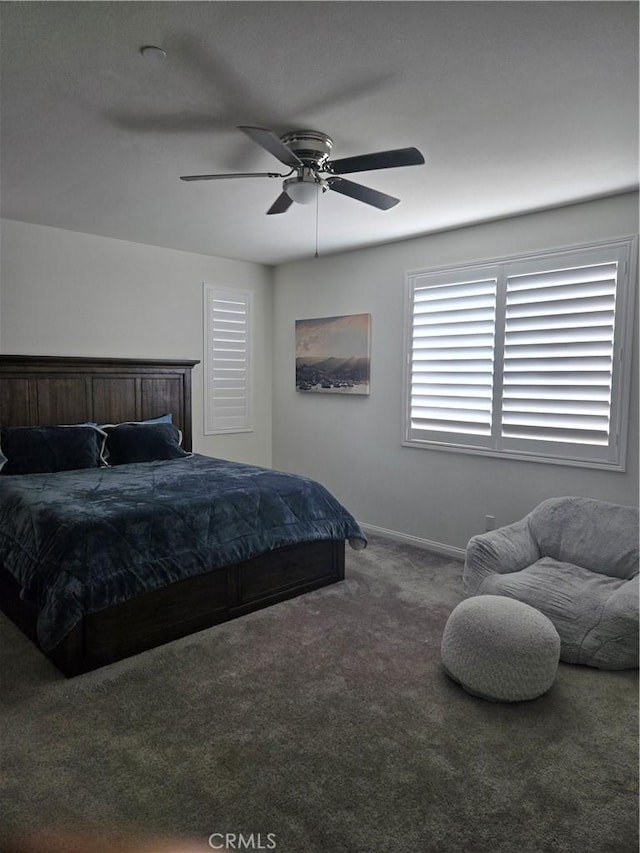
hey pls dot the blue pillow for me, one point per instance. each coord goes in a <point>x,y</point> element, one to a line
<point>162,419</point>
<point>48,449</point>
<point>143,442</point>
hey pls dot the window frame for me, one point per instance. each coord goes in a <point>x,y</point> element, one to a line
<point>533,450</point>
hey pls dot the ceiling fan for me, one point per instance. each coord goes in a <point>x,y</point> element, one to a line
<point>307,152</point>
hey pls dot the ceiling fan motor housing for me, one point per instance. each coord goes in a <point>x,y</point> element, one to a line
<point>311,146</point>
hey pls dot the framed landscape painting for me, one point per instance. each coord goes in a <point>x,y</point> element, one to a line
<point>333,354</point>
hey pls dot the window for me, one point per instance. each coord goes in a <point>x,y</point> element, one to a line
<point>227,384</point>
<point>523,357</point>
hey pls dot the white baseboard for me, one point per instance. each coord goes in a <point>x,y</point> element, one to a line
<point>408,539</point>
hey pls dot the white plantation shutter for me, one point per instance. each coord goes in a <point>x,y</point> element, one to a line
<point>524,358</point>
<point>452,356</point>
<point>227,360</point>
<point>558,356</point>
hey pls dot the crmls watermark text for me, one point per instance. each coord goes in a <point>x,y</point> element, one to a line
<point>240,841</point>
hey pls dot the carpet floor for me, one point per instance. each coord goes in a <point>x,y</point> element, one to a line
<point>328,722</point>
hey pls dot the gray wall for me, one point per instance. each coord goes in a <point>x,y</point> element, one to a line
<point>352,444</point>
<point>65,293</point>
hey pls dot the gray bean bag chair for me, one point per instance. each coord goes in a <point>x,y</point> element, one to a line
<point>575,560</point>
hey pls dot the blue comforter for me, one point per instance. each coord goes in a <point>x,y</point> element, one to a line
<point>80,541</point>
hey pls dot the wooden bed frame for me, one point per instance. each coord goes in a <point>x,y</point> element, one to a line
<point>37,390</point>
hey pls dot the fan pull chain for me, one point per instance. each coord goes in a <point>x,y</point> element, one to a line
<point>317,204</point>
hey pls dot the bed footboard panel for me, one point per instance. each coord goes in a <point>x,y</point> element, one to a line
<point>283,574</point>
<point>187,606</point>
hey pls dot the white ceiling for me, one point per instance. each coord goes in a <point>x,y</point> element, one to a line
<point>516,106</point>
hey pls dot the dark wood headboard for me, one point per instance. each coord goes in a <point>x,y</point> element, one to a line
<point>48,390</point>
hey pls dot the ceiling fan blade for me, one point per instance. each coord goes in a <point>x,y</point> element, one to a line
<point>360,193</point>
<point>231,175</point>
<point>378,160</point>
<point>268,140</point>
<point>282,203</point>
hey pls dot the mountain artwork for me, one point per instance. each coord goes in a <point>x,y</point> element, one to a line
<point>333,354</point>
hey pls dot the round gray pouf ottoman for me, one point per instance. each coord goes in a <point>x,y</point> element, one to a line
<point>500,649</point>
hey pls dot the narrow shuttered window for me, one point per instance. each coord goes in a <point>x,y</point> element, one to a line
<point>227,360</point>
<point>527,358</point>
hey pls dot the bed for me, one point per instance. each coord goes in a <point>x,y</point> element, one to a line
<point>232,562</point>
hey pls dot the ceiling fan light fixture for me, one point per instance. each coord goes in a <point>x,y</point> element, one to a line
<point>304,189</point>
<point>302,192</point>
